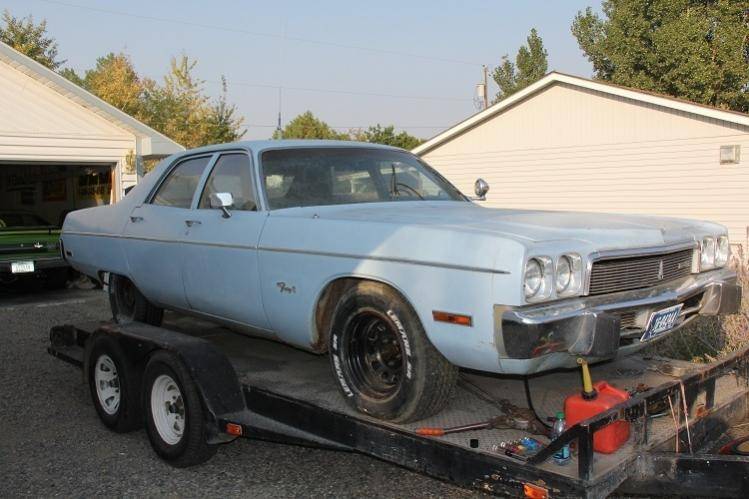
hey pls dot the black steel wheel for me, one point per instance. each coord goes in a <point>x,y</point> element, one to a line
<point>382,359</point>
<point>128,304</point>
<point>375,355</point>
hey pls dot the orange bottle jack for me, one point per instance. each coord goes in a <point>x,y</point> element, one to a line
<point>593,400</point>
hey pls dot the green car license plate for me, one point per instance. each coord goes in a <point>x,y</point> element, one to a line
<point>21,267</point>
<point>661,321</point>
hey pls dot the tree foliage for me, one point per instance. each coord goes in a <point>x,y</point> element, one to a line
<point>693,49</point>
<point>379,134</point>
<point>114,80</point>
<point>30,38</point>
<point>307,126</point>
<point>531,64</point>
<point>178,108</point>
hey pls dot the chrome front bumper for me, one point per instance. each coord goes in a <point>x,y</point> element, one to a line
<point>554,334</point>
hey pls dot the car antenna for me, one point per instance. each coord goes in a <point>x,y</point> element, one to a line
<point>393,181</point>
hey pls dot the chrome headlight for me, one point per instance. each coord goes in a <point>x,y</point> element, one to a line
<point>707,253</point>
<point>569,274</point>
<point>722,251</point>
<point>538,278</point>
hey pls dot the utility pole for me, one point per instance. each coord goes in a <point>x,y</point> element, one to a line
<point>481,100</point>
<point>486,86</point>
<point>279,130</point>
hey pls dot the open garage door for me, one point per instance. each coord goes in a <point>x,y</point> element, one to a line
<point>51,191</point>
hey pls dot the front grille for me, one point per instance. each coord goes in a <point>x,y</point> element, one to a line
<point>628,319</point>
<point>622,274</point>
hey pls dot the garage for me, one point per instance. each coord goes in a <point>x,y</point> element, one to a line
<point>62,148</point>
<point>51,191</point>
<point>568,143</point>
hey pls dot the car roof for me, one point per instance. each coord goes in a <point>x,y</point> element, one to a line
<point>260,145</point>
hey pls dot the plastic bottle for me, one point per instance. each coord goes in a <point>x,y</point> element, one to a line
<point>562,456</point>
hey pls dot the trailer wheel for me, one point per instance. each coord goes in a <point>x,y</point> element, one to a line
<point>128,304</point>
<point>175,421</point>
<point>382,359</point>
<point>114,383</point>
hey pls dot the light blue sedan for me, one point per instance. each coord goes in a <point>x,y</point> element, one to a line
<point>366,253</point>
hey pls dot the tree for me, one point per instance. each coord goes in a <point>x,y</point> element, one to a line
<point>530,65</point>
<point>693,49</point>
<point>222,121</point>
<point>386,135</point>
<point>180,110</point>
<point>307,126</point>
<point>31,39</point>
<point>114,80</point>
<point>71,75</point>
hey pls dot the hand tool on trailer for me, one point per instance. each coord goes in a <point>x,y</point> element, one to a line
<point>493,423</point>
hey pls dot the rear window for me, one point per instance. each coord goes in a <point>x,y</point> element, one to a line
<point>21,220</point>
<point>178,188</point>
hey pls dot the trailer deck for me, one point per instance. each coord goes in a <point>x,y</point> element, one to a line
<point>291,396</point>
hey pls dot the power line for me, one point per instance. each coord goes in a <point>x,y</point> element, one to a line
<point>336,91</point>
<point>356,127</point>
<point>261,34</point>
<point>274,125</point>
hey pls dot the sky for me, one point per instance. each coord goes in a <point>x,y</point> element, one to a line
<point>413,64</point>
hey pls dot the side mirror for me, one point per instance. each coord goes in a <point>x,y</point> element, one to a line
<point>481,187</point>
<point>222,201</point>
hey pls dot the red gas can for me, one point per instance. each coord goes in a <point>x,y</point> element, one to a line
<point>577,407</point>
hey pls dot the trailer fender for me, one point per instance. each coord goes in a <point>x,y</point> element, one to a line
<point>210,369</point>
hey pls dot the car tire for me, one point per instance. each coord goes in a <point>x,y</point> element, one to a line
<point>128,304</point>
<point>56,278</point>
<point>114,383</point>
<point>175,421</point>
<point>384,363</point>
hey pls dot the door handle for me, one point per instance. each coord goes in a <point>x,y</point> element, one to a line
<point>190,223</point>
<point>136,219</point>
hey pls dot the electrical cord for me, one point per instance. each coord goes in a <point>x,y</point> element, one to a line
<point>530,403</point>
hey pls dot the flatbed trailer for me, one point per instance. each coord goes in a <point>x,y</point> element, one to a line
<point>260,389</point>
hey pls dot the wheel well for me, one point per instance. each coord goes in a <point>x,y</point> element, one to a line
<point>327,302</point>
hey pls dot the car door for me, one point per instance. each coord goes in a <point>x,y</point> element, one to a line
<point>220,268</point>
<point>155,233</point>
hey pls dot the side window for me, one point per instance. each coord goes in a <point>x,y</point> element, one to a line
<point>231,174</point>
<point>179,187</point>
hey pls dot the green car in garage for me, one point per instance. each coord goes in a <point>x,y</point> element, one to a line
<point>30,248</point>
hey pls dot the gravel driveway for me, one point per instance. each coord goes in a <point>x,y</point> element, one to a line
<point>52,444</point>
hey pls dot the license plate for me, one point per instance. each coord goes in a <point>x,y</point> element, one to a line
<point>661,321</point>
<point>21,267</point>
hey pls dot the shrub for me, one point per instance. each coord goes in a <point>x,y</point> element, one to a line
<point>708,338</point>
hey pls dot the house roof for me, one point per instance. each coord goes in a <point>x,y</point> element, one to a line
<point>149,142</point>
<point>607,88</point>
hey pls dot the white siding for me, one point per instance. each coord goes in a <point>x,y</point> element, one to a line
<point>568,148</point>
<point>39,124</point>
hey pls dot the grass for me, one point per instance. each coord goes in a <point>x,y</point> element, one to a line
<point>709,338</point>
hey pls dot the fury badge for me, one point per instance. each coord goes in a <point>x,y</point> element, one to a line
<point>660,270</point>
<point>286,289</point>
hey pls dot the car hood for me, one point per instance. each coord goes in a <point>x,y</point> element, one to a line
<point>602,231</point>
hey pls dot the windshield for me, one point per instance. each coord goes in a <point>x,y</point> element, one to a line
<point>325,176</point>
